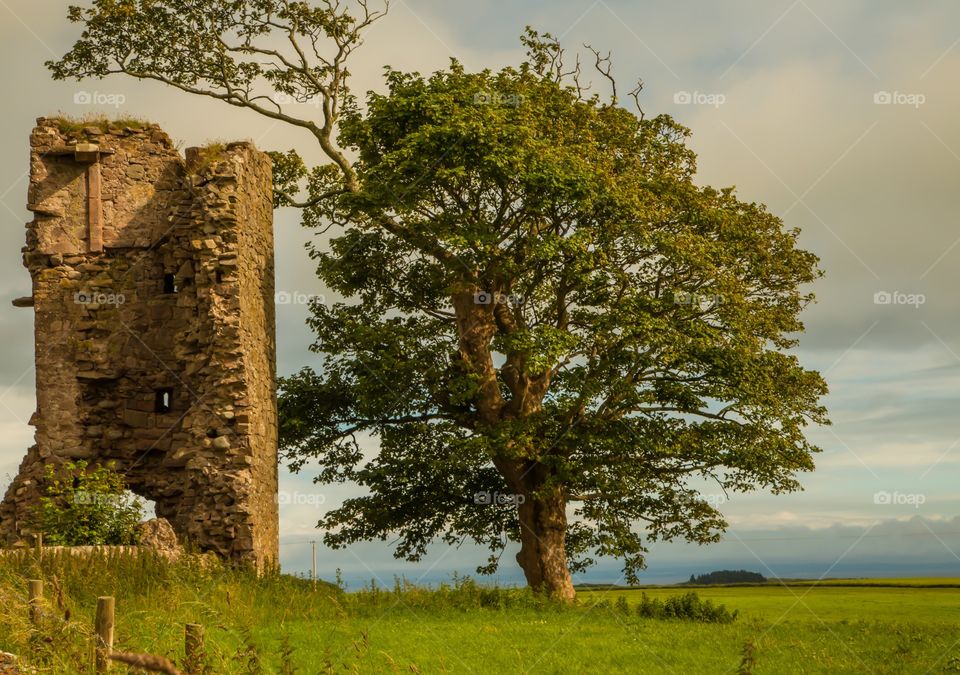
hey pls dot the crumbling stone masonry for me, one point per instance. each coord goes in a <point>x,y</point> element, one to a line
<point>153,303</point>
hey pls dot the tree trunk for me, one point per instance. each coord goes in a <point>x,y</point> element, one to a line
<point>542,513</point>
<point>543,556</point>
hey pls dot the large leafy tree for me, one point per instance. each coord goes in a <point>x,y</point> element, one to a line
<point>552,333</point>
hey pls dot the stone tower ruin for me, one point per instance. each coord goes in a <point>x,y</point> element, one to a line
<point>153,297</point>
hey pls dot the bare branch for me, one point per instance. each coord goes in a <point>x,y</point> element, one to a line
<point>604,66</point>
<point>581,90</point>
<point>635,95</point>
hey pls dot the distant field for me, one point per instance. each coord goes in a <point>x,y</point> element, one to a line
<point>919,582</point>
<point>908,602</point>
<point>278,624</point>
<point>906,582</point>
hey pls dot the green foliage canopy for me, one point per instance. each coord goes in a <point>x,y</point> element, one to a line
<point>628,328</point>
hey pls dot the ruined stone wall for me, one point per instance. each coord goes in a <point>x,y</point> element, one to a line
<point>155,348</point>
<point>255,272</point>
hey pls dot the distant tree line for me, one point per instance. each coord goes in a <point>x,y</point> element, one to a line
<point>728,577</point>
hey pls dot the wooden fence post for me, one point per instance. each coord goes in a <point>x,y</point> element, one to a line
<point>314,544</point>
<point>36,597</point>
<point>104,627</point>
<point>193,647</point>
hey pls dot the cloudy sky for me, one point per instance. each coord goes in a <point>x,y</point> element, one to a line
<point>840,116</point>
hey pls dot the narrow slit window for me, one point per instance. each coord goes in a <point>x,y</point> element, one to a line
<point>169,283</point>
<point>219,276</point>
<point>164,400</point>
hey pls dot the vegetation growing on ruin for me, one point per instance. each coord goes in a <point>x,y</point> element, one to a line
<point>85,505</point>
<point>207,156</point>
<point>77,126</point>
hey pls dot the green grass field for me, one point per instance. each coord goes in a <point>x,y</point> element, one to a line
<point>923,582</point>
<point>279,624</point>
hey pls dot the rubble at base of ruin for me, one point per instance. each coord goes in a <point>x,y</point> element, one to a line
<point>153,300</point>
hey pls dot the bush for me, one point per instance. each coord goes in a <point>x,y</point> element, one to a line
<point>86,506</point>
<point>688,606</point>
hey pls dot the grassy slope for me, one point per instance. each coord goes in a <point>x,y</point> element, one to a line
<point>268,624</point>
